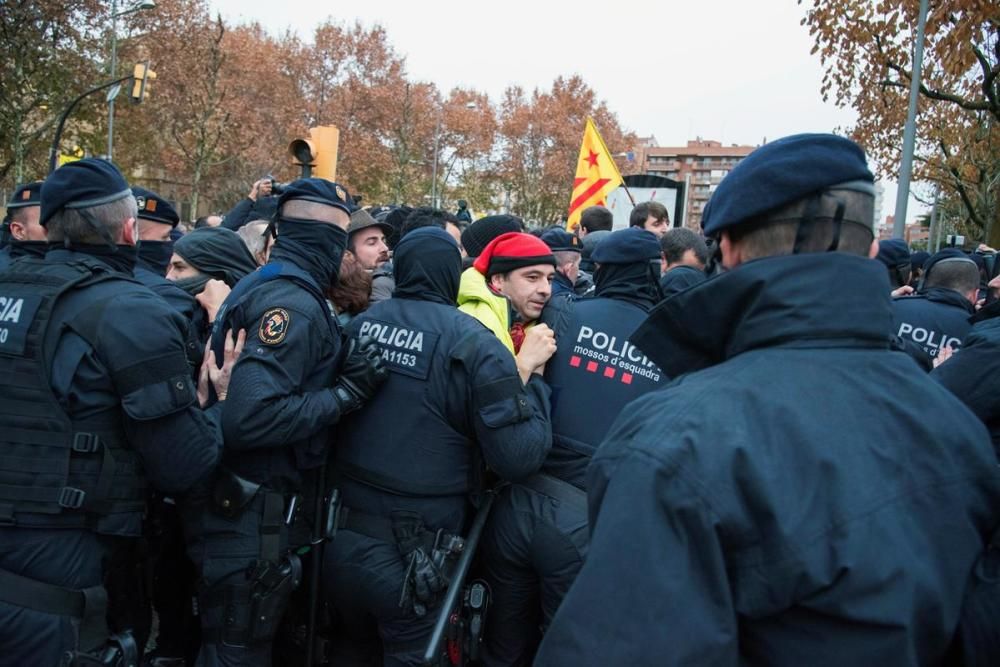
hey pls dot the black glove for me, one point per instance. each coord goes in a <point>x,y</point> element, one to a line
<point>424,581</point>
<point>361,374</point>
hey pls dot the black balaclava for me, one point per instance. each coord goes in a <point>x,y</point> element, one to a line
<point>155,256</point>
<point>635,282</point>
<point>428,266</point>
<point>217,253</point>
<point>314,246</point>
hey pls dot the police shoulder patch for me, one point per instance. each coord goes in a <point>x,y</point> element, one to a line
<point>274,326</point>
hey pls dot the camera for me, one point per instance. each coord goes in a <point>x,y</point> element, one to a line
<point>277,188</point>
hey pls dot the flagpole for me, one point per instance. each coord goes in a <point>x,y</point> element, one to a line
<point>629,193</point>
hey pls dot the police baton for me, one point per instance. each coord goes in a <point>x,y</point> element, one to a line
<point>323,529</point>
<point>431,655</point>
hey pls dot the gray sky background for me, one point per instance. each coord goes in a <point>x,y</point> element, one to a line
<point>737,71</point>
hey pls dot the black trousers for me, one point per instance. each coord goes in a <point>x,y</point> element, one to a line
<point>67,558</point>
<point>533,548</point>
<point>224,550</point>
<point>362,582</point>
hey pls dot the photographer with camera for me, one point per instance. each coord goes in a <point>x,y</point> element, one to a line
<point>261,202</point>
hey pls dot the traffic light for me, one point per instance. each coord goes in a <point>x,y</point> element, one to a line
<point>317,155</point>
<point>141,76</point>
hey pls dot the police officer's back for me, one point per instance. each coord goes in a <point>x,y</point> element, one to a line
<point>787,500</point>
<point>938,315</point>
<point>536,540</point>
<point>408,462</point>
<point>97,400</point>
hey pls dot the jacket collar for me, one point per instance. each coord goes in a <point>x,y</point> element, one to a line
<point>773,301</point>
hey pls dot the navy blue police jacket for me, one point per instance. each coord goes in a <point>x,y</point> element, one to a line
<point>453,402</point>
<point>972,374</point>
<point>562,287</point>
<point>679,279</point>
<point>183,303</point>
<point>280,404</point>
<point>785,500</point>
<point>16,249</point>
<point>132,373</point>
<point>594,373</point>
<point>934,319</point>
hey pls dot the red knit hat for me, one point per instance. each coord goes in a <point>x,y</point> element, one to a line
<point>510,251</point>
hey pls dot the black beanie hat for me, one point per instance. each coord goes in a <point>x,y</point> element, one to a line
<point>478,235</point>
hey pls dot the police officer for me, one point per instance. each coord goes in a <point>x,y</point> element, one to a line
<point>895,254</point>
<point>293,381</point>
<point>408,462</point>
<point>536,540</point>
<point>786,501</point>
<point>566,249</point>
<point>27,236</point>
<point>972,374</point>
<point>157,218</point>
<point>938,315</point>
<point>97,400</point>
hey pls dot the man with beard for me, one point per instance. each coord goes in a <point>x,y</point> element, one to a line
<point>786,500</point>
<point>536,540</point>
<point>366,240</point>
<point>293,381</point>
<point>456,402</point>
<point>27,236</point>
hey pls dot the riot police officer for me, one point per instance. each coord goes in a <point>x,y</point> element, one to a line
<point>286,389</point>
<point>157,219</point>
<point>409,461</point>
<point>26,235</point>
<point>536,540</point>
<point>786,500</point>
<point>97,400</point>
<point>938,315</point>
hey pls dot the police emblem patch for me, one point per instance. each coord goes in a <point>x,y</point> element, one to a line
<point>340,193</point>
<point>274,326</point>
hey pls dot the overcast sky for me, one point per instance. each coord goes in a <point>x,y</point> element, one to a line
<point>732,70</point>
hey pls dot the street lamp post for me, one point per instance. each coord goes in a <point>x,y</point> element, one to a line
<point>437,138</point>
<point>910,130</point>
<point>134,7</point>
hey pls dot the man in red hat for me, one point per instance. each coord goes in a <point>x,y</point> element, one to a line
<point>520,268</point>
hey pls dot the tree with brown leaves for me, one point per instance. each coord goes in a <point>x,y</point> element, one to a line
<point>867,51</point>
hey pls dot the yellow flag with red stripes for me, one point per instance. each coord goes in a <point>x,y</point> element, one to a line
<point>596,175</point>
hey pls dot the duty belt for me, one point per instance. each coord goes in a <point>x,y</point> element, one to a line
<point>89,604</point>
<point>370,525</point>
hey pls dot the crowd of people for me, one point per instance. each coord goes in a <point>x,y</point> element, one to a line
<point>274,438</point>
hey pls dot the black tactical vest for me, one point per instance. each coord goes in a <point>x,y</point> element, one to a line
<point>403,441</point>
<point>50,463</point>
<point>594,373</point>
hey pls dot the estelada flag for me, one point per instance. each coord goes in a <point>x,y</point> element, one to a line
<point>596,175</point>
